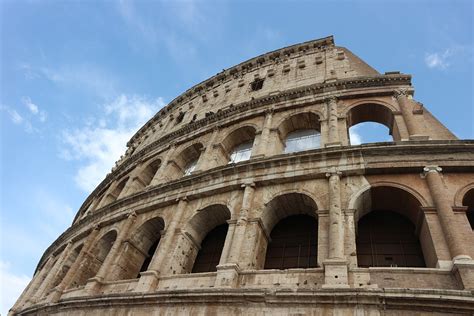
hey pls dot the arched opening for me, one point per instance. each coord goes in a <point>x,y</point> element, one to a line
<point>188,158</point>
<point>209,228</point>
<point>69,261</point>
<point>209,255</point>
<point>150,171</point>
<point>115,193</point>
<point>388,229</point>
<point>140,249</point>
<point>300,132</point>
<point>293,243</point>
<point>291,218</point>
<point>238,144</point>
<point>92,263</point>
<point>370,123</point>
<point>468,201</point>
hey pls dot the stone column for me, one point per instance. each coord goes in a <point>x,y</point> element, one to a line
<point>149,279</point>
<point>228,241</point>
<point>335,267</point>
<point>336,232</point>
<point>205,159</point>
<point>407,112</point>
<point>52,275</point>
<point>158,178</point>
<point>227,273</point>
<point>333,126</point>
<point>350,237</point>
<point>262,146</point>
<point>445,213</point>
<point>75,268</point>
<point>94,284</point>
<point>239,234</point>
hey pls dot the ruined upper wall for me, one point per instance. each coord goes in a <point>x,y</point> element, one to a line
<point>299,65</point>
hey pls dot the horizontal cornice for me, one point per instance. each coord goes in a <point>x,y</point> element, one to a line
<point>369,164</point>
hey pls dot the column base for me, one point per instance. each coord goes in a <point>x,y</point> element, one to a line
<point>334,144</point>
<point>148,281</point>
<point>93,285</point>
<point>463,270</point>
<point>227,275</point>
<point>419,137</point>
<point>335,274</point>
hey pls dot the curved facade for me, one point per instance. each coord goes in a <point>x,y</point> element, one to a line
<point>245,196</point>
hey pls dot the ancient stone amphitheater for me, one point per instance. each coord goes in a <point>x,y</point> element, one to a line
<point>244,196</point>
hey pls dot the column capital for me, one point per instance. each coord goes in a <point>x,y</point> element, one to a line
<point>269,111</point>
<point>333,173</point>
<point>132,214</point>
<point>182,198</point>
<point>400,93</point>
<point>248,184</point>
<point>429,169</point>
<point>331,99</point>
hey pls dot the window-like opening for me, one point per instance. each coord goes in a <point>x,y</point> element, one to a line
<point>180,117</point>
<point>301,140</point>
<point>238,144</point>
<point>190,168</point>
<point>468,201</point>
<point>387,234</point>
<point>369,132</point>
<point>241,152</point>
<point>187,160</point>
<point>67,265</point>
<point>211,249</point>
<point>150,254</point>
<point>388,239</point>
<point>139,250</point>
<point>293,243</point>
<point>150,172</point>
<point>371,123</point>
<point>257,84</point>
<point>92,263</point>
<point>299,132</point>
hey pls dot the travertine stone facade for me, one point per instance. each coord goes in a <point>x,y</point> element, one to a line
<point>137,244</point>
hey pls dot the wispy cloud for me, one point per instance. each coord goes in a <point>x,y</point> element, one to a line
<point>446,58</point>
<point>34,109</point>
<point>11,286</point>
<point>14,116</point>
<point>100,142</point>
<point>438,60</point>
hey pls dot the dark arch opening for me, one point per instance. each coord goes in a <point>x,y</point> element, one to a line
<point>468,201</point>
<point>293,243</point>
<point>209,255</point>
<point>388,239</point>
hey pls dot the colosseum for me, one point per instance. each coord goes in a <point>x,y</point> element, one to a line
<point>244,196</point>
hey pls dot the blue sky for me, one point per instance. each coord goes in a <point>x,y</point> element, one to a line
<point>78,78</point>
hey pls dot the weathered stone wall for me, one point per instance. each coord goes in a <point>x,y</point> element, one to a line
<point>92,268</point>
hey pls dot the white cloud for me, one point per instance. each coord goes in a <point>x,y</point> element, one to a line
<point>30,105</point>
<point>15,117</point>
<point>438,60</point>
<point>101,142</point>
<point>355,138</point>
<point>11,286</point>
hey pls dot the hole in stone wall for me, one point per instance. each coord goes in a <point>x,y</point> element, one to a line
<point>257,84</point>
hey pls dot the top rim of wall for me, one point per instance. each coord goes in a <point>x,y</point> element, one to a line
<point>245,65</point>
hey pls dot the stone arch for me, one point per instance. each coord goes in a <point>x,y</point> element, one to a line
<point>369,111</point>
<point>291,221</point>
<point>301,128</point>
<point>211,222</point>
<point>240,139</point>
<point>149,171</point>
<point>468,201</point>
<point>66,265</point>
<point>140,248</point>
<point>91,264</point>
<point>389,223</point>
<point>459,196</point>
<point>187,159</point>
<point>114,191</point>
